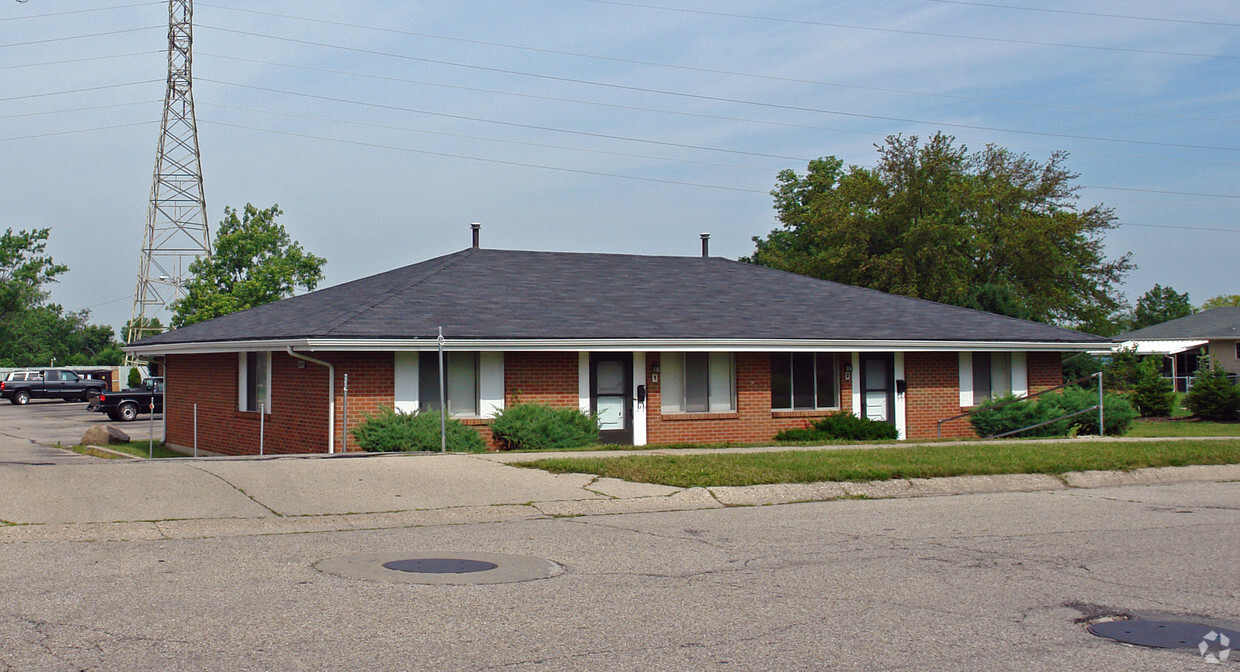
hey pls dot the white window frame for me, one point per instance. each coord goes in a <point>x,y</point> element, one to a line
<point>243,400</point>
<point>835,373</point>
<point>1017,383</point>
<point>488,382</point>
<point>672,386</point>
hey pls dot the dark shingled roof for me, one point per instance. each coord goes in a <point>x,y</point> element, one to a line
<point>501,294</point>
<point>1216,323</point>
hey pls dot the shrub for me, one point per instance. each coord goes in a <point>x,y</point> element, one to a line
<point>801,434</point>
<point>540,427</point>
<point>135,377</point>
<point>1152,395</point>
<point>841,426</point>
<point>1213,396</point>
<point>989,421</point>
<point>392,431</point>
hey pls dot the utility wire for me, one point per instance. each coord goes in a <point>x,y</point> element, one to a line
<point>80,130</point>
<point>700,115</point>
<point>1180,227</point>
<point>721,99</point>
<point>89,88</point>
<point>498,122</point>
<point>716,71</point>
<point>481,137</point>
<point>1095,14</point>
<point>489,160</point>
<point>79,60</point>
<point>91,108</point>
<point>1162,191</point>
<point>79,11</point>
<point>899,31</point>
<point>79,37</point>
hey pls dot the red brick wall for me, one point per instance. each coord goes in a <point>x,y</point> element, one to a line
<point>541,378</point>
<point>753,419</point>
<point>1045,370</point>
<point>934,389</point>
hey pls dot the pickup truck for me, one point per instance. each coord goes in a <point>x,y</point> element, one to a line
<point>50,384</point>
<point>125,405</point>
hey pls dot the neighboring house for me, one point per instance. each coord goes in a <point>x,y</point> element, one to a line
<point>1211,333</point>
<point>665,349</point>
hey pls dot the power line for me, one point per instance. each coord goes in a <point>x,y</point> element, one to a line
<point>499,122</point>
<point>79,130</point>
<point>1095,14</point>
<point>1182,228</point>
<point>77,109</point>
<point>89,88</point>
<point>716,71</point>
<point>488,139</point>
<point>921,33</point>
<point>721,99</point>
<point>490,160</point>
<point>79,11</point>
<point>1162,191</point>
<point>78,60</point>
<point>78,37</point>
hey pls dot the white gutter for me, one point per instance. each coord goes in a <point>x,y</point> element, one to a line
<point>624,345</point>
<point>331,396</point>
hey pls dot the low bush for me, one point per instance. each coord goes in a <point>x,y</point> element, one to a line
<point>540,427</point>
<point>393,431</point>
<point>1213,396</point>
<point>995,418</point>
<point>1152,394</point>
<point>841,427</point>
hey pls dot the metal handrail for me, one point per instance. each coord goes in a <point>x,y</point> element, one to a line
<point>1101,430</point>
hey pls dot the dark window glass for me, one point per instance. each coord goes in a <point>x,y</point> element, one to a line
<point>981,377</point>
<point>803,380</point>
<point>781,381</point>
<point>428,380</point>
<point>827,380</point>
<point>697,382</point>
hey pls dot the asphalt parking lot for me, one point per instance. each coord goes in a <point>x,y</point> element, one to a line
<point>52,422</point>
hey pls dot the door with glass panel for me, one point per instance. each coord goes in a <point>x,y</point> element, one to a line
<point>611,395</point>
<point>878,387</point>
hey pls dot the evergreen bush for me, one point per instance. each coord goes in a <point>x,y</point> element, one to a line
<point>841,427</point>
<point>135,377</point>
<point>393,431</point>
<point>541,427</point>
<point>1213,396</point>
<point>1118,412</point>
<point>1152,394</point>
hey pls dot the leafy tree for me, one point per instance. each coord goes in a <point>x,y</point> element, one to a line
<point>25,267</point>
<point>1160,304</point>
<point>254,262</point>
<point>1213,395</point>
<point>992,230</point>
<point>1152,395</point>
<point>140,327</point>
<point>1221,301</point>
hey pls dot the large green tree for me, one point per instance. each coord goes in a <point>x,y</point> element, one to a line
<point>1221,301</point>
<point>993,230</point>
<point>25,269</point>
<point>254,262</point>
<point>1160,304</point>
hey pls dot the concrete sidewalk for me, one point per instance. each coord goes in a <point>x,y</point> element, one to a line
<point>209,497</point>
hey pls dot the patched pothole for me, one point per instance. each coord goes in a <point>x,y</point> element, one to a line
<point>441,568</point>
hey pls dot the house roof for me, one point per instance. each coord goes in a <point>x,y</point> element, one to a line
<point>503,295</point>
<point>1210,324</point>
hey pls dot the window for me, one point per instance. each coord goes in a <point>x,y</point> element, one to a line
<point>460,377</point>
<point>992,375</point>
<point>254,382</point>
<point>698,382</point>
<point>804,380</point>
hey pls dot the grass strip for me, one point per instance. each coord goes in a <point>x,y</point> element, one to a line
<point>958,459</point>
<point>1170,428</point>
<point>136,448</point>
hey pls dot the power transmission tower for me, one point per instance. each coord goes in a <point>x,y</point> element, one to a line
<point>176,221</point>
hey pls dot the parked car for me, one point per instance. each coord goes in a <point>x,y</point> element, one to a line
<point>126,405</point>
<point>50,384</point>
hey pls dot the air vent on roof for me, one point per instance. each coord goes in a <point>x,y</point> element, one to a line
<point>705,245</point>
<point>477,228</point>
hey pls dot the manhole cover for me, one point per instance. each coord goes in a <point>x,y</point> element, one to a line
<point>440,565</point>
<point>441,568</point>
<point>1161,634</point>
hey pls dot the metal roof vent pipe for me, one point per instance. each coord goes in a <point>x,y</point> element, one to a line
<point>477,228</point>
<point>705,245</point>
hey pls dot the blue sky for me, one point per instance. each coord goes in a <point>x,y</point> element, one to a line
<point>382,129</point>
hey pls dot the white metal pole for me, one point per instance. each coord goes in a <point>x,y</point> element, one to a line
<point>262,425</point>
<point>443,400</point>
<point>1102,428</point>
<point>150,446</point>
<point>344,413</point>
<point>195,430</point>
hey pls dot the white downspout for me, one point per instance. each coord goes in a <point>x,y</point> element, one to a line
<point>331,396</point>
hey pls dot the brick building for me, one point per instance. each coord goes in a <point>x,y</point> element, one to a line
<point>664,349</point>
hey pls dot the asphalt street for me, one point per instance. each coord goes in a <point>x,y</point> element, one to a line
<point>978,581</point>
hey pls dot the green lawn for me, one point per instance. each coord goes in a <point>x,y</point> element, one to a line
<point>136,448</point>
<point>955,459</point>
<point>1178,427</point>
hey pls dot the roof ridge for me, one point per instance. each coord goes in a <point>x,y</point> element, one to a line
<point>447,261</point>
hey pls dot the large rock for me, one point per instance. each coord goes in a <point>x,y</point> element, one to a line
<point>102,435</point>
